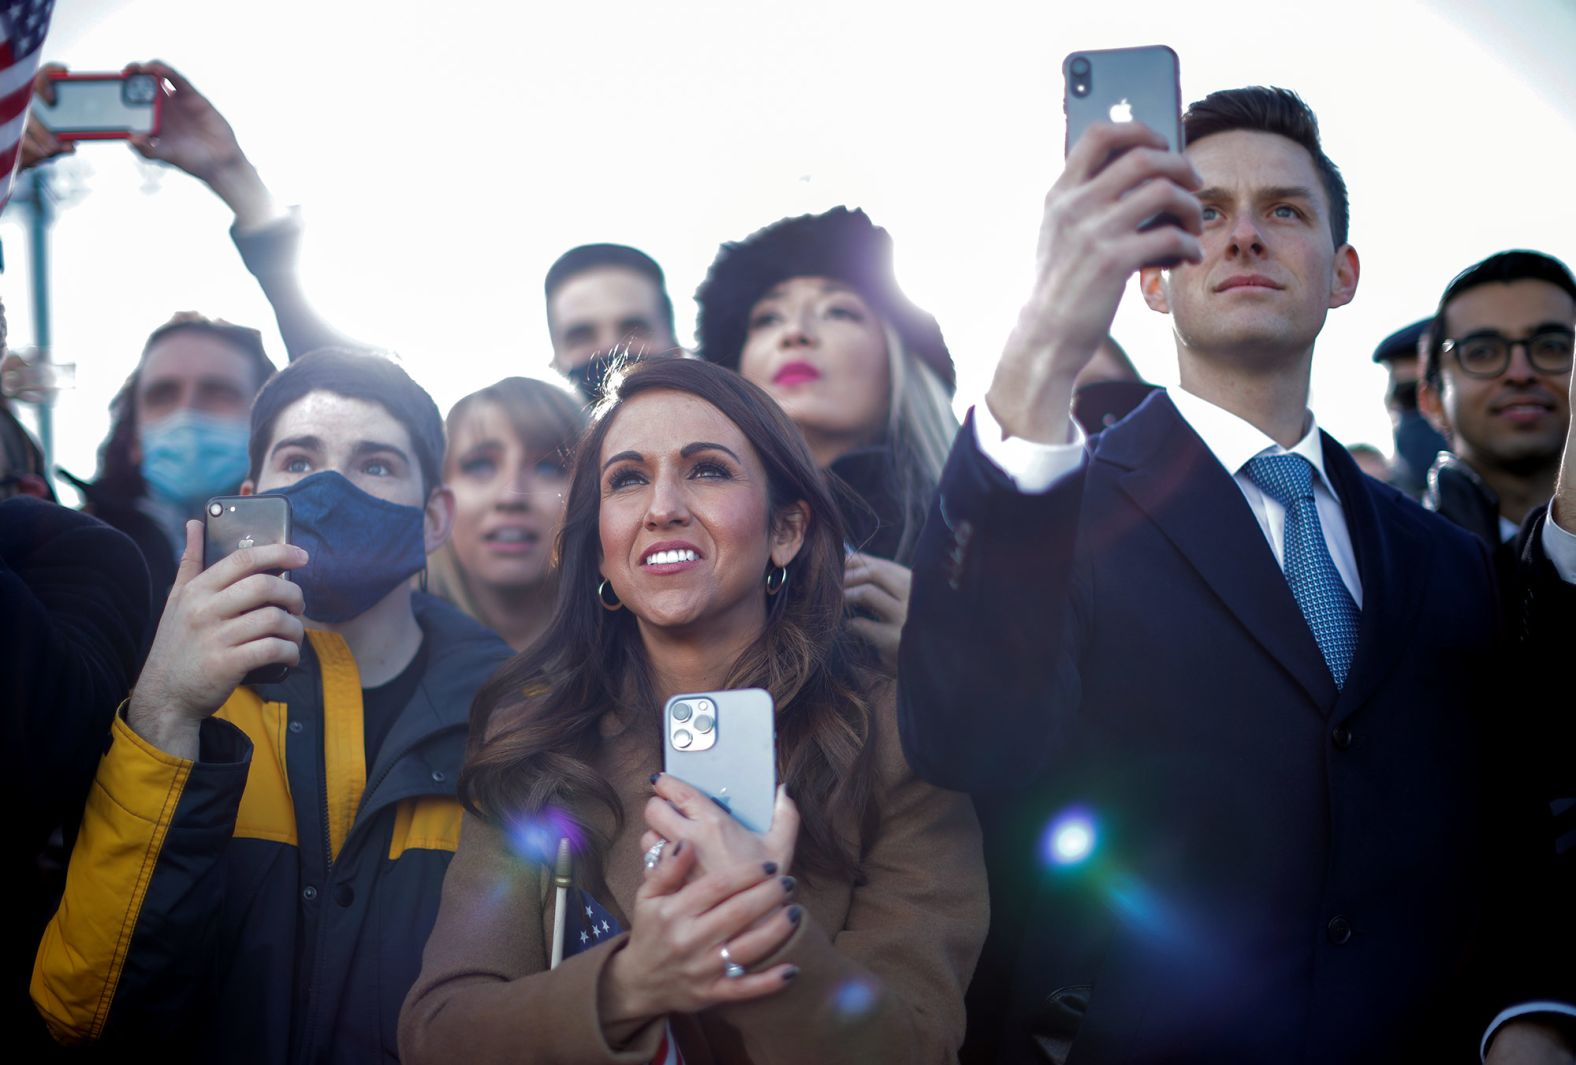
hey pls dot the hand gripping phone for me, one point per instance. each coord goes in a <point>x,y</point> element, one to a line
<point>1125,85</point>
<point>101,106</point>
<point>234,523</point>
<point>725,744</point>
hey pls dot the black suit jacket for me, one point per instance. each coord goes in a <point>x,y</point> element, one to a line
<point>1284,871</point>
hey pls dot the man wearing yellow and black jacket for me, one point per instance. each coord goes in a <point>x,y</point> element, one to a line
<point>259,865</point>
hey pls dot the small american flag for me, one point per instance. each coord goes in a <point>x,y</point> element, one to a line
<point>587,923</point>
<point>23,24</point>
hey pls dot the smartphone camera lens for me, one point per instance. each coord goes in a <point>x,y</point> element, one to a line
<point>702,722</point>
<point>682,738</point>
<point>139,89</point>
<point>1079,69</point>
<point>215,509</point>
<point>681,711</point>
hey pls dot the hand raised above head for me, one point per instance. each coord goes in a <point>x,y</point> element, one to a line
<point>1117,177</point>
<point>218,625</point>
<point>193,136</point>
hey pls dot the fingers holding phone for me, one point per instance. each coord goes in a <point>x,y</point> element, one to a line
<point>1097,230</point>
<point>695,939</point>
<point>219,625</point>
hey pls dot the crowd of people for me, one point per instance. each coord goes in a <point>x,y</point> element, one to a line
<point>1115,724</point>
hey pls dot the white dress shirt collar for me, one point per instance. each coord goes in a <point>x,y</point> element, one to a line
<point>1233,440</point>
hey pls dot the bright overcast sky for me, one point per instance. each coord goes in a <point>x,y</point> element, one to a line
<point>446,153</point>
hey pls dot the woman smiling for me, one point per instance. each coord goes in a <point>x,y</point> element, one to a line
<point>700,551</point>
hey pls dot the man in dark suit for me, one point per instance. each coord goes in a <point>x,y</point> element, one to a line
<point>1222,699</point>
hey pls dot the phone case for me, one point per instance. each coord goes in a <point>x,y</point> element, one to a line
<point>736,764</point>
<point>1124,85</point>
<point>241,522</point>
<point>106,114</point>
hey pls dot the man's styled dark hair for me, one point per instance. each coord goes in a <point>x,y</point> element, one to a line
<point>1261,109</point>
<point>118,475</point>
<point>354,375</point>
<point>578,260</point>
<point>1501,268</point>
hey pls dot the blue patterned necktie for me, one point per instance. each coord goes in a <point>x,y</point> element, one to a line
<point>1326,604</point>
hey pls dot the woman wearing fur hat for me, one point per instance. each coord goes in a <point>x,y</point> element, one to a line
<point>809,309</point>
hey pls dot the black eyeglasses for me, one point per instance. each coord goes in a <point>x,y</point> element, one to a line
<point>1487,354</point>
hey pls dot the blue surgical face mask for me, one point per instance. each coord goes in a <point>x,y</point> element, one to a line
<point>360,546</point>
<point>190,456</point>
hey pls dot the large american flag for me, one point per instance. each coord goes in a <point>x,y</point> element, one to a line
<point>588,923</point>
<point>23,24</point>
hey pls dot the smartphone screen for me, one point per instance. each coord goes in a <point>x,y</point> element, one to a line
<point>101,106</point>
<point>725,744</point>
<point>234,523</point>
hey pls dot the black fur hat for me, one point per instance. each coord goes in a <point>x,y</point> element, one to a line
<point>839,244</point>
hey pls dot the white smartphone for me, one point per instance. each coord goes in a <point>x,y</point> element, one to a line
<point>725,744</point>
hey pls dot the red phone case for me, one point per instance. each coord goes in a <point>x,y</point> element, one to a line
<point>106,135</point>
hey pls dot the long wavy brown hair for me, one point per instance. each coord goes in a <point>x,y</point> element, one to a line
<point>535,724</point>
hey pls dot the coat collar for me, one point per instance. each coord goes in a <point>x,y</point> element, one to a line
<point>1168,472</point>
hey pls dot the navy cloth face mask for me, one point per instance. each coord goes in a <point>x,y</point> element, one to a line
<point>360,546</point>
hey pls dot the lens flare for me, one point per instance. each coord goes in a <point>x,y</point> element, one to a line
<point>854,998</point>
<point>1070,838</point>
<point>535,839</point>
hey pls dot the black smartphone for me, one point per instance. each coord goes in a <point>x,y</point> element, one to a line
<point>725,744</point>
<point>1126,85</point>
<point>234,523</point>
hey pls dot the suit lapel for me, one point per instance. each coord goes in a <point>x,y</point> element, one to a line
<point>1392,555</point>
<point>1169,473</point>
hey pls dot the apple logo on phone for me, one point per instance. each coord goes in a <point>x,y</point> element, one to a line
<point>1122,111</point>
<point>245,542</point>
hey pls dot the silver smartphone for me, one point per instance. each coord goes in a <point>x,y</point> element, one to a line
<point>725,744</point>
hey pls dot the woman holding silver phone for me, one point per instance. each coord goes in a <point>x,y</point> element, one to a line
<point>700,552</point>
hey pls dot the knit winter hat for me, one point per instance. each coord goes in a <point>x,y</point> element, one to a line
<point>841,244</point>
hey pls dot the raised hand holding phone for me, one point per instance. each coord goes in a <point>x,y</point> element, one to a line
<point>218,625</point>
<point>1118,176</point>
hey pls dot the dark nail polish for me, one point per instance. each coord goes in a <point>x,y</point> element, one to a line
<point>655,777</point>
<point>771,868</point>
<point>795,912</point>
<point>789,883</point>
<point>790,972</point>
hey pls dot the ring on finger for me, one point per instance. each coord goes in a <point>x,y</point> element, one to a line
<point>730,968</point>
<point>654,854</point>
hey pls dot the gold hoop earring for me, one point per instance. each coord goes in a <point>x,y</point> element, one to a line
<point>604,590</point>
<point>781,578</point>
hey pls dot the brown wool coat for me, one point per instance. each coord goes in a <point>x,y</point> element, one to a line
<point>912,933</point>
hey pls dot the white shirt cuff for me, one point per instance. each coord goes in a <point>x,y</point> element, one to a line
<point>1520,1011</point>
<point>1560,545</point>
<point>1031,466</point>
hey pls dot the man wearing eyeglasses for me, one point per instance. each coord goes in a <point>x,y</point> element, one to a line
<point>1496,383</point>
